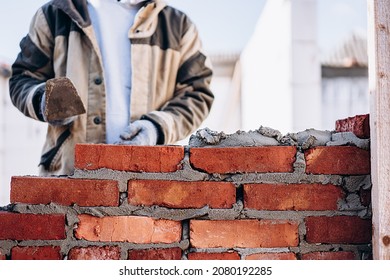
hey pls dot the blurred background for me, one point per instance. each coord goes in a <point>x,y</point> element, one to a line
<point>286,64</point>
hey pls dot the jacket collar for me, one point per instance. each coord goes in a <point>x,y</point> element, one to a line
<point>76,10</point>
<point>146,21</point>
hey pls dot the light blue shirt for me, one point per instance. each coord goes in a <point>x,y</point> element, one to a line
<point>111,21</point>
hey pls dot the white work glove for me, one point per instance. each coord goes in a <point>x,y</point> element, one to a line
<point>139,133</point>
<point>56,122</point>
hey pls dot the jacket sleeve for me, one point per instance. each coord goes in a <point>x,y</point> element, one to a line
<point>32,68</point>
<point>192,99</point>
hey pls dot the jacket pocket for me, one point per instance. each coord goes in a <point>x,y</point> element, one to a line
<point>48,157</point>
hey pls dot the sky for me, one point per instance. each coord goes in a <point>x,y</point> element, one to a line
<point>338,18</point>
<point>224,25</point>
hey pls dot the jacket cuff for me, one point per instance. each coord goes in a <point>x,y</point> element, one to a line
<point>160,133</point>
<point>36,101</point>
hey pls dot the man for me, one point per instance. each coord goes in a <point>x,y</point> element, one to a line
<point>137,66</point>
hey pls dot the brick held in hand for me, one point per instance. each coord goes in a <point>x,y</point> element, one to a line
<point>62,100</point>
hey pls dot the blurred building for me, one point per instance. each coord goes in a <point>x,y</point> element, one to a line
<point>287,85</point>
<point>21,139</point>
<point>344,84</point>
<point>342,88</point>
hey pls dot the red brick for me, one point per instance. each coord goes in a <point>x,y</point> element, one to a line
<point>214,256</point>
<point>141,230</point>
<point>36,253</point>
<point>338,160</point>
<point>359,125</point>
<point>95,253</point>
<point>129,158</point>
<point>243,233</point>
<point>329,256</point>
<point>32,227</point>
<point>175,194</point>
<point>156,254</point>
<point>272,256</point>
<point>292,197</point>
<point>243,159</point>
<point>2,257</point>
<point>338,229</point>
<point>63,191</point>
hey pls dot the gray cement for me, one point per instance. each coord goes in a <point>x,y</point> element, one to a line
<point>265,136</point>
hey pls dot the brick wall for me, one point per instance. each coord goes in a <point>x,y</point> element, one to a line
<point>285,201</point>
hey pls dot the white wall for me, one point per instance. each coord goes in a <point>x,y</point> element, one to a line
<point>344,97</point>
<point>281,86</point>
<point>306,66</point>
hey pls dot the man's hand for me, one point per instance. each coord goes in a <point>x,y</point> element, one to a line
<point>140,133</point>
